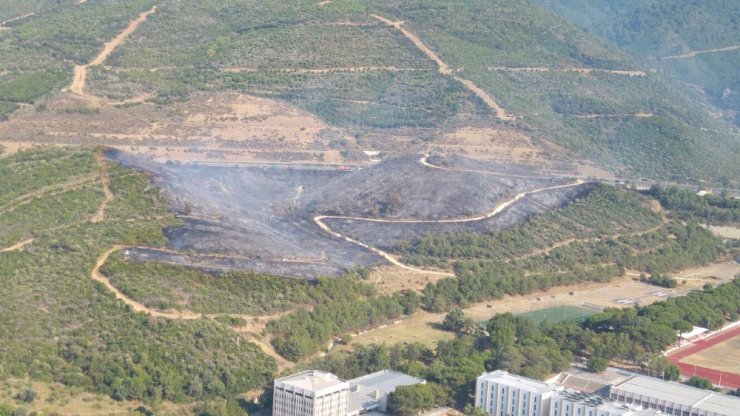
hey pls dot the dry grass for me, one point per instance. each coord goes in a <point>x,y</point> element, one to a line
<point>55,398</point>
<point>724,357</point>
<point>421,327</point>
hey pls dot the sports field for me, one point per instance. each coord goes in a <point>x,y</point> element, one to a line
<point>723,356</point>
<point>715,358</point>
<point>559,314</point>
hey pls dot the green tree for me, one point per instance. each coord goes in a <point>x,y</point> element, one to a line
<point>597,364</point>
<point>471,410</point>
<point>456,321</point>
<point>701,383</point>
<point>410,400</point>
<point>672,373</point>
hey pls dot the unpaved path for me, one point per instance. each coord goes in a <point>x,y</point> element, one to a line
<point>319,220</point>
<point>445,69</point>
<point>425,161</point>
<point>72,183</point>
<point>80,71</point>
<point>136,306</point>
<point>326,70</point>
<point>641,114</point>
<point>694,53</point>
<point>105,179</point>
<point>254,323</point>
<point>631,73</point>
<point>5,22</point>
<point>18,246</point>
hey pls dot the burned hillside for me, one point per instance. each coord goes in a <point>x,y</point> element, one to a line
<point>266,217</point>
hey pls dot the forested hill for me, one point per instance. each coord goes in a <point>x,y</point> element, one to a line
<point>385,70</point>
<point>696,41</point>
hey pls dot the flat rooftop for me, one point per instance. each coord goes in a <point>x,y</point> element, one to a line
<point>366,392</point>
<point>313,381</point>
<point>681,394</point>
<point>504,377</point>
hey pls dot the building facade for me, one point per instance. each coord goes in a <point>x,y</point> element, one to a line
<point>502,394</point>
<point>673,398</point>
<point>310,393</point>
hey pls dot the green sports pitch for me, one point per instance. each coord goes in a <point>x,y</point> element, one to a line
<point>559,314</point>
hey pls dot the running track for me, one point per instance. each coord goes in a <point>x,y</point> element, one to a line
<point>728,379</point>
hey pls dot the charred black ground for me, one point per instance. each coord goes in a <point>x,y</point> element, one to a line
<point>261,217</point>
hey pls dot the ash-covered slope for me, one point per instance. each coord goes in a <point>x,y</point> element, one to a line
<point>404,187</point>
<point>262,217</point>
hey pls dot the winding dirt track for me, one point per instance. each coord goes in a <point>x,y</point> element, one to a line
<point>72,183</point>
<point>80,71</point>
<point>319,220</point>
<point>445,69</point>
<point>694,53</point>
<point>254,322</point>
<point>17,246</point>
<point>424,161</point>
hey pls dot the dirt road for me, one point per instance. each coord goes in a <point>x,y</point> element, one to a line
<point>694,53</point>
<point>425,161</point>
<point>18,246</point>
<point>255,324</point>
<point>136,306</point>
<point>72,183</point>
<point>80,71</point>
<point>630,73</point>
<point>319,220</point>
<point>445,69</point>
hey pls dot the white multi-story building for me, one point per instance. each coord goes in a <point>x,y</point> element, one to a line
<point>310,393</point>
<point>673,398</point>
<point>502,394</point>
<point>317,393</point>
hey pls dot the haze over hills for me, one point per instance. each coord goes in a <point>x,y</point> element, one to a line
<point>694,41</point>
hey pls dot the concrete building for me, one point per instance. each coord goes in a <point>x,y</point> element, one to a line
<point>502,394</point>
<point>576,403</point>
<point>318,393</point>
<point>369,393</point>
<point>310,393</point>
<point>673,398</point>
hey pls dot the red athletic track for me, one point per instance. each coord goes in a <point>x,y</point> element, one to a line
<point>728,379</point>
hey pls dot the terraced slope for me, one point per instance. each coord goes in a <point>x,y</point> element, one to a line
<point>390,71</point>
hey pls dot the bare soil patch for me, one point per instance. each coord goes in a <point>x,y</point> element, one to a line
<point>225,127</point>
<point>725,231</point>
